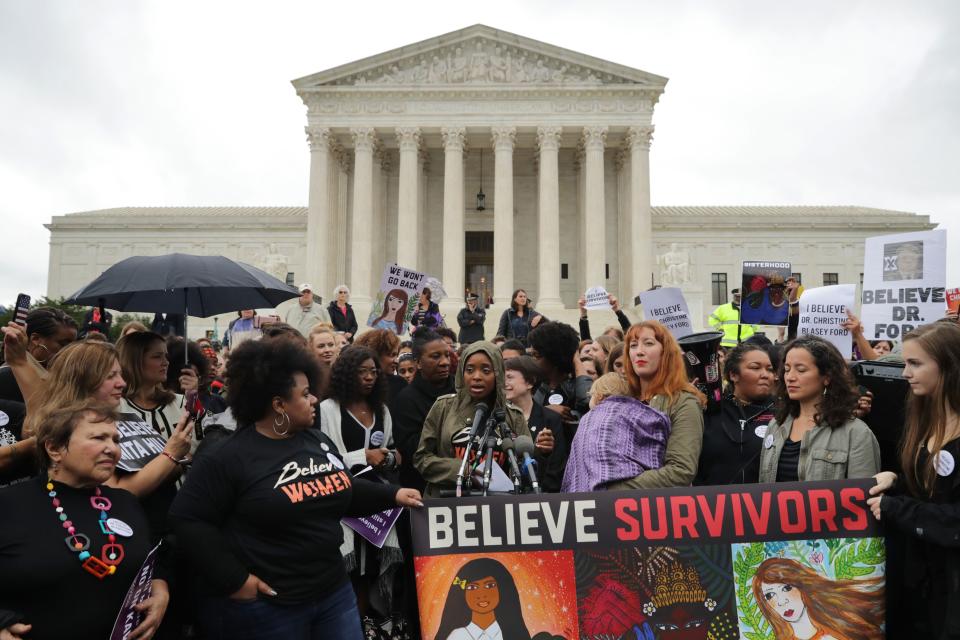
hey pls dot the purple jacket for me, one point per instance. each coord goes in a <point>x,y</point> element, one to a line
<point>618,439</point>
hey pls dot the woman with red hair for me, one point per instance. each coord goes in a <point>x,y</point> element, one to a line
<point>798,602</point>
<point>653,364</point>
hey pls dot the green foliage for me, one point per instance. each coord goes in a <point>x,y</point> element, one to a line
<point>74,311</point>
<point>78,312</point>
<point>745,566</point>
<point>858,558</point>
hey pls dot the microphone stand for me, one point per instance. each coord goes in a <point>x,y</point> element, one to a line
<point>490,443</point>
<point>510,447</point>
<point>463,472</point>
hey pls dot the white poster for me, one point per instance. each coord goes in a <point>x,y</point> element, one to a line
<point>824,310</point>
<point>597,298</point>
<point>397,298</point>
<point>904,278</point>
<point>669,308</point>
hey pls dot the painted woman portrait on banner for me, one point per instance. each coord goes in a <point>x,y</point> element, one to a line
<point>830,589</point>
<point>397,298</point>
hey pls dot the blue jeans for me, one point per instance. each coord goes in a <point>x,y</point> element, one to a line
<point>334,616</point>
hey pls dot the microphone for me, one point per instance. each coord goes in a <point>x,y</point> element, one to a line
<point>490,445</point>
<point>524,446</point>
<point>507,445</point>
<point>478,417</point>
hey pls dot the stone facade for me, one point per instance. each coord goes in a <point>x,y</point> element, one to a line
<point>400,144</point>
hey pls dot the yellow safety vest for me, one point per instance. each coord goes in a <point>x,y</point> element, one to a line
<point>726,318</point>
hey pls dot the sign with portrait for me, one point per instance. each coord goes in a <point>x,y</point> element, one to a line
<point>712,562</point>
<point>764,293</point>
<point>397,298</point>
<point>904,283</point>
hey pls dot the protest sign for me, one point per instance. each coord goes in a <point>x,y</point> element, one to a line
<point>764,293</point>
<point>374,528</point>
<point>139,442</point>
<point>129,618</point>
<point>668,307</point>
<point>597,298</point>
<point>397,298</point>
<point>822,312</point>
<point>633,563</point>
<point>953,300</point>
<point>904,279</point>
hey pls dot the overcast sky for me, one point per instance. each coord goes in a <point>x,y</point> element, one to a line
<point>126,103</point>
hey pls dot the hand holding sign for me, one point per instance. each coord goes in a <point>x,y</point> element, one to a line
<point>152,609</point>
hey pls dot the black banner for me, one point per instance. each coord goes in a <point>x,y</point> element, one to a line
<point>718,562</point>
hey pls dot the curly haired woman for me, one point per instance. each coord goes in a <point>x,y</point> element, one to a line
<point>815,435</point>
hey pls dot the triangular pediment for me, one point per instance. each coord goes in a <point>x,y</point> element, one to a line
<point>480,55</point>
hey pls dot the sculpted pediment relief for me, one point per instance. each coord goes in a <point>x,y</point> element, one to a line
<point>480,55</point>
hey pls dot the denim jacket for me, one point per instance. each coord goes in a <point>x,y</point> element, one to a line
<point>848,451</point>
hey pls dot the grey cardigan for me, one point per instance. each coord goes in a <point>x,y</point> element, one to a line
<point>848,451</point>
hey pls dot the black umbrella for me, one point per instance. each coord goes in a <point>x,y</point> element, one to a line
<point>180,283</point>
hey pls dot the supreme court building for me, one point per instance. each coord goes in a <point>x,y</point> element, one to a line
<point>403,144</point>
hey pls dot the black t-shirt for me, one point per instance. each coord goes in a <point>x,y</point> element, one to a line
<point>9,389</point>
<point>11,426</point>
<point>43,581</point>
<point>272,508</point>
<point>789,463</point>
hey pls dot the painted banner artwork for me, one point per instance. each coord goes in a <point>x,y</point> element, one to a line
<point>397,298</point>
<point>742,561</point>
<point>764,293</point>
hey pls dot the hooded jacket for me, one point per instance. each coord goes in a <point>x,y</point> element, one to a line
<point>444,435</point>
<point>733,436</point>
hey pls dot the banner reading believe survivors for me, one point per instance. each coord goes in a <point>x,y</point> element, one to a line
<point>711,561</point>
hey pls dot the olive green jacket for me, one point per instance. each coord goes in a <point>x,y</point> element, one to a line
<point>847,451</point>
<point>683,447</point>
<point>449,420</point>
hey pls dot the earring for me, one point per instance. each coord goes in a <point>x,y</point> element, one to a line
<point>278,422</point>
<point>825,389</point>
<point>47,351</point>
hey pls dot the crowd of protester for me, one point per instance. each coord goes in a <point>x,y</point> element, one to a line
<point>273,436</point>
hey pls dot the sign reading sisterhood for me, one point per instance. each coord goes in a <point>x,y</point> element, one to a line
<point>669,307</point>
<point>397,298</point>
<point>633,564</point>
<point>904,278</point>
<point>764,293</point>
<point>822,312</point>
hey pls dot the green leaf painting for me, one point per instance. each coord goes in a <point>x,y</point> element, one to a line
<point>836,559</point>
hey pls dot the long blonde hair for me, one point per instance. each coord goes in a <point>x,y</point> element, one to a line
<point>133,348</point>
<point>846,609</point>
<point>75,373</point>
<point>927,414</point>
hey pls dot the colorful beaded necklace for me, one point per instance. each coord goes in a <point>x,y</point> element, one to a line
<point>111,554</point>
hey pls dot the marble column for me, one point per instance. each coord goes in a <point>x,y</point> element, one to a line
<point>503,142</point>
<point>594,208</point>
<point>408,213</point>
<point>548,139</point>
<point>361,249</point>
<point>319,224</point>
<point>641,221</point>
<point>454,241</point>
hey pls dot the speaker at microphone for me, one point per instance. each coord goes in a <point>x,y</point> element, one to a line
<point>702,362</point>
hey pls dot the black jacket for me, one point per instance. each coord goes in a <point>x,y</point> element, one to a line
<point>429,317</point>
<point>732,440</point>
<point>550,468</point>
<point>408,409</point>
<point>471,324</point>
<point>585,325</point>
<point>505,328</point>
<point>343,324</point>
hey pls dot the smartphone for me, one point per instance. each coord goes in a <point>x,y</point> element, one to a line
<point>21,310</point>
